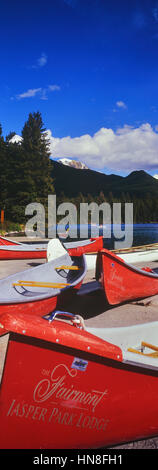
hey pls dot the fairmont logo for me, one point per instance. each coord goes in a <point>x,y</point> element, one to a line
<point>57,387</point>
<point>57,402</point>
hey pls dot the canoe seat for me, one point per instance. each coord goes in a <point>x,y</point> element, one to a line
<point>55,249</point>
<point>142,348</point>
<point>73,268</point>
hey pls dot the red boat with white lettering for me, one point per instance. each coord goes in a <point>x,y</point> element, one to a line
<point>10,249</point>
<point>62,387</point>
<point>122,281</point>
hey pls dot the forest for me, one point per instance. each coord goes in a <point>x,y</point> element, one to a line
<point>28,174</point>
<point>25,170</point>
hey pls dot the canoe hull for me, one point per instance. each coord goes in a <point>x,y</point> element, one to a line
<point>122,282</point>
<point>21,251</point>
<point>22,254</point>
<point>65,389</point>
<point>38,307</point>
<point>135,256</point>
<point>36,290</point>
<point>7,241</point>
<point>94,245</point>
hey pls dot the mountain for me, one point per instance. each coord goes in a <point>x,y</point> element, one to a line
<point>71,182</point>
<point>73,163</point>
<point>66,179</point>
<point>16,139</point>
<point>140,184</point>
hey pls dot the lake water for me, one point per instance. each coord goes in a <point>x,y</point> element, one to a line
<point>145,234</point>
<point>142,234</point>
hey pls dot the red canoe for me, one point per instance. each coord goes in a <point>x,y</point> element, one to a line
<point>37,290</point>
<point>10,249</point>
<point>8,241</point>
<point>15,250</point>
<point>122,281</point>
<point>62,387</point>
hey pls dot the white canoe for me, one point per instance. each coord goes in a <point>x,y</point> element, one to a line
<point>145,253</point>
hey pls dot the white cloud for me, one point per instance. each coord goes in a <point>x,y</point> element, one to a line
<point>42,92</point>
<point>54,87</point>
<point>29,93</point>
<point>42,60</point>
<point>126,149</point>
<point>155,176</point>
<point>121,104</point>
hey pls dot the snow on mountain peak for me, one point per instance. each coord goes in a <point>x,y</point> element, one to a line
<point>73,163</point>
<point>16,139</point>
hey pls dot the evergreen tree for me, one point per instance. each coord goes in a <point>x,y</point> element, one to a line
<point>3,171</point>
<point>1,134</point>
<point>34,135</point>
<point>29,168</point>
<point>10,136</point>
<point>36,153</point>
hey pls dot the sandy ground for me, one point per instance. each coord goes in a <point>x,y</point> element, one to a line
<point>96,312</point>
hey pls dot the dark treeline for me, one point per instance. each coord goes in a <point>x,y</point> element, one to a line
<point>26,175</point>
<point>144,210</point>
<point>25,170</point>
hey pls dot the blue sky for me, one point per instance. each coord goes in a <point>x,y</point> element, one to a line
<point>91,68</point>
